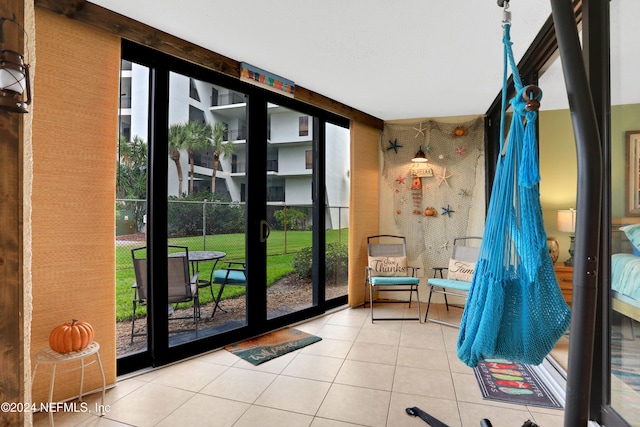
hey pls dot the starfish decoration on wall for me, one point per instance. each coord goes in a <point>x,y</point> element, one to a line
<point>393,145</point>
<point>460,150</point>
<point>427,149</point>
<point>464,192</point>
<point>400,179</point>
<point>447,211</point>
<point>420,130</point>
<point>444,177</point>
<point>445,245</point>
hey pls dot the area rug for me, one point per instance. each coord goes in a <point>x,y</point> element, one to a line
<point>513,382</point>
<point>624,360</point>
<point>266,347</point>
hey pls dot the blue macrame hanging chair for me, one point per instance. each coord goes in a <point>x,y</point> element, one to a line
<point>515,309</point>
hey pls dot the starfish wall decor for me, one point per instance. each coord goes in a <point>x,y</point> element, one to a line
<point>420,130</point>
<point>444,177</point>
<point>393,145</point>
<point>447,211</point>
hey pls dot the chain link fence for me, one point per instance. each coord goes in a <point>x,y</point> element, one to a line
<point>203,225</point>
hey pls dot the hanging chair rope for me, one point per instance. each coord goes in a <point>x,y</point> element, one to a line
<point>515,309</point>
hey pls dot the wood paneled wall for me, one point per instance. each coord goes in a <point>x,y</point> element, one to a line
<point>75,130</point>
<point>11,284</point>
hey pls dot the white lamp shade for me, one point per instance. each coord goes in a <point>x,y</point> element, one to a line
<point>419,157</point>
<point>12,80</point>
<point>567,220</point>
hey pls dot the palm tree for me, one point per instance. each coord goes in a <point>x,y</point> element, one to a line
<point>218,134</point>
<point>177,134</point>
<point>132,176</point>
<point>196,138</point>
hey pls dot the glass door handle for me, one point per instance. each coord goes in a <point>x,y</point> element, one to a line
<point>265,230</point>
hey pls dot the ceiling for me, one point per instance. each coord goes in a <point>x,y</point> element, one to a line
<point>388,58</point>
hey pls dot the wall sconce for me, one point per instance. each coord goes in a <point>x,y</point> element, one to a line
<point>567,223</point>
<point>420,157</point>
<point>420,169</point>
<point>14,78</point>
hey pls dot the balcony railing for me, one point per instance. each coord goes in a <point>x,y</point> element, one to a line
<point>241,167</point>
<point>227,99</point>
<point>235,134</point>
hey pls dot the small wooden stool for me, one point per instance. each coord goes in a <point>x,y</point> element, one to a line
<point>48,356</point>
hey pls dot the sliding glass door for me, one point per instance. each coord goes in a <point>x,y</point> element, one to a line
<point>336,210</point>
<point>232,183</point>
<point>206,179</point>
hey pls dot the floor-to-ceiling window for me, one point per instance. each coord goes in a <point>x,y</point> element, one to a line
<point>624,338</point>
<point>249,186</point>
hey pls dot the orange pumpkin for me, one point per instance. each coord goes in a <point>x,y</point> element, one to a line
<point>71,336</point>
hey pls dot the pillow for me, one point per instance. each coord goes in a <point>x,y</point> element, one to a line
<point>388,265</point>
<point>461,270</point>
<point>633,234</point>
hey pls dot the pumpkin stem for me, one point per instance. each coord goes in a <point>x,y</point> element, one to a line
<point>73,321</point>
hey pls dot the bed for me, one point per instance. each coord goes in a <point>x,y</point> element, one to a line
<point>625,274</point>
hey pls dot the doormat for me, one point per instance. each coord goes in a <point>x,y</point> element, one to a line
<point>513,382</point>
<point>266,347</point>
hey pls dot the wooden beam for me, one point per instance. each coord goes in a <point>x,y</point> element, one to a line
<point>11,288</point>
<point>129,29</point>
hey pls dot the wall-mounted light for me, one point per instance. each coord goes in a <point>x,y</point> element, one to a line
<point>420,169</point>
<point>14,78</point>
<point>567,223</point>
<point>420,157</point>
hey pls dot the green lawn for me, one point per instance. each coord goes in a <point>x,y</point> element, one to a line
<point>281,247</point>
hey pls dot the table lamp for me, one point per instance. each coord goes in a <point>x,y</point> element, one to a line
<point>567,223</point>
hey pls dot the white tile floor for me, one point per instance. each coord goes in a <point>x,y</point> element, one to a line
<point>359,374</point>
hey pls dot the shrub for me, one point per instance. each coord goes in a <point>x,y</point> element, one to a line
<point>302,262</point>
<point>296,219</point>
<point>336,261</point>
<point>185,218</point>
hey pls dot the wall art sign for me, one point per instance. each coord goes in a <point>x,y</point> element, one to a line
<point>266,80</point>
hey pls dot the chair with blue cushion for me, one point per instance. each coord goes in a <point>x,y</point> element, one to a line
<point>388,272</point>
<point>234,274</point>
<point>460,272</point>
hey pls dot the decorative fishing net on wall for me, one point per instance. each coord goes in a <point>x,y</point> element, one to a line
<point>449,191</point>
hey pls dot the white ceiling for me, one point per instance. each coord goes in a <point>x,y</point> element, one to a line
<point>393,59</point>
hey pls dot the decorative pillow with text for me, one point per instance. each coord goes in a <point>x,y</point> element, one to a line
<point>388,266</point>
<point>461,270</point>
